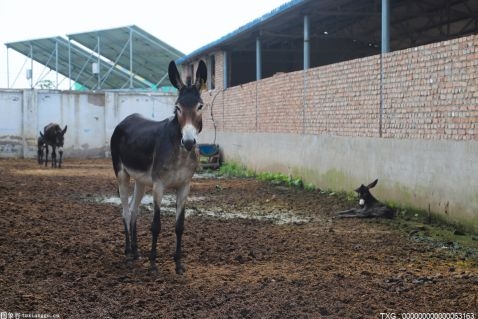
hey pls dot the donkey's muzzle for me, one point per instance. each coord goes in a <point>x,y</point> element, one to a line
<point>188,144</point>
<point>189,134</point>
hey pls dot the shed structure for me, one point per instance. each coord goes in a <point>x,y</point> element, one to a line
<point>303,34</point>
<point>120,58</point>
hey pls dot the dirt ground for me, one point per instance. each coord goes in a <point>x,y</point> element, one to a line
<point>252,250</point>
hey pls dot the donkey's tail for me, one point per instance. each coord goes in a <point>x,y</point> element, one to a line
<point>115,153</point>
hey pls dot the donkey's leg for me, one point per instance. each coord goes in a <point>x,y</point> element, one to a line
<point>53,156</point>
<point>181,197</point>
<point>354,213</point>
<point>60,151</point>
<point>350,213</point>
<point>46,155</point>
<point>123,187</point>
<point>134,208</point>
<point>40,155</point>
<point>158,191</point>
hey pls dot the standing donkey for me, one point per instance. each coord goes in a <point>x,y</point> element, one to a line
<point>162,155</point>
<point>54,136</point>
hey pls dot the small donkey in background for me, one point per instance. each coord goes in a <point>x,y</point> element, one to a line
<point>370,207</point>
<point>54,136</point>
<point>41,148</point>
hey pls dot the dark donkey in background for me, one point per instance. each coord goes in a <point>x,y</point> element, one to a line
<point>41,148</point>
<point>369,206</point>
<point>54,136</point>
<point>162,155</point>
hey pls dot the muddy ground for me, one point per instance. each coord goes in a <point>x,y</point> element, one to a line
<point>252,250</point>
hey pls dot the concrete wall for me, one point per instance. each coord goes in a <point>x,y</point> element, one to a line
<point>11,123</point>
<point>325,125</point>
<point>91,118</point>
<point>436,174</point>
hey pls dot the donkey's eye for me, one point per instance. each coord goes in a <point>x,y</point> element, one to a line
<point>200,106</point>
<point>178,109</point>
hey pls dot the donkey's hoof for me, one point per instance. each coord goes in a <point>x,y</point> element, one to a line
<point>180,269</point>
<point>129,256</point>
<point>153,269</point>
<point>130,259</point>
<point>135,255</point>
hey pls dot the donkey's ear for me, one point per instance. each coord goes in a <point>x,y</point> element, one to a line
<point>174,76</point>
<point>201,76</point>
<point>372,184</point>
<point>64,130</point>
<point>41,134</point>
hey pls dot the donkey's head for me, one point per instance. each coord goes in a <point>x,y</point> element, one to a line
<point>365,197</point>
<point>60,136</point>
<point>41,140</point>
<point>189,104</point>
<point>53,134</point>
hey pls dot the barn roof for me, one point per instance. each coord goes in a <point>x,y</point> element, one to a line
<point>148,57</point>
<point>234,37</point>
<point>340,30</point>
<point>74,62</point>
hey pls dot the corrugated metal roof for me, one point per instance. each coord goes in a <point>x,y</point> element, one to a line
<point>74,62</point>
<point>128,57</point>
<point>133,49</point>
<point>247,28</point>
<point>355,26</point>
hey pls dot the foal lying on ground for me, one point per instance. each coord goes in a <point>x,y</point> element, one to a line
<point>162,155</point>
<point>369,205</point>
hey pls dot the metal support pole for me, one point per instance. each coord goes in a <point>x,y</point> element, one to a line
<point>225,70</point>
<point>99,62</point>
<point>8,70</point>
<point>306,43</point>
<point>385,49</point>
<point>130,59</point>
<point>258,59</point>
<point>56,63</point>
<point>385,26</point>
<point>69,64</point>
<point>31,66</point>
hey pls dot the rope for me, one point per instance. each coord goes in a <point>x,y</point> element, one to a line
<point>211,111</point>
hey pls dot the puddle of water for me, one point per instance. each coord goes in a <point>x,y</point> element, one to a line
<point>206,174</point>
<point>168,200</point>
<point>278,218</point>
<point>168,206</point>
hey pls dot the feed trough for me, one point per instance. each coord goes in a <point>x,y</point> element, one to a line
<point>209,156</point>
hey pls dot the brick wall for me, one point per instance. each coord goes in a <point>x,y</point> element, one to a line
<point>430,92</point>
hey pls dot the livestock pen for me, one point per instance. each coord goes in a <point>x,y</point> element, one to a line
<point>252,249</point>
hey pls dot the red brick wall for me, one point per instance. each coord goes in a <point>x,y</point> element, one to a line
<point>430,92</point>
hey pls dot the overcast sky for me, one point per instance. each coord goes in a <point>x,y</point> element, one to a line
<point>184,24</point>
